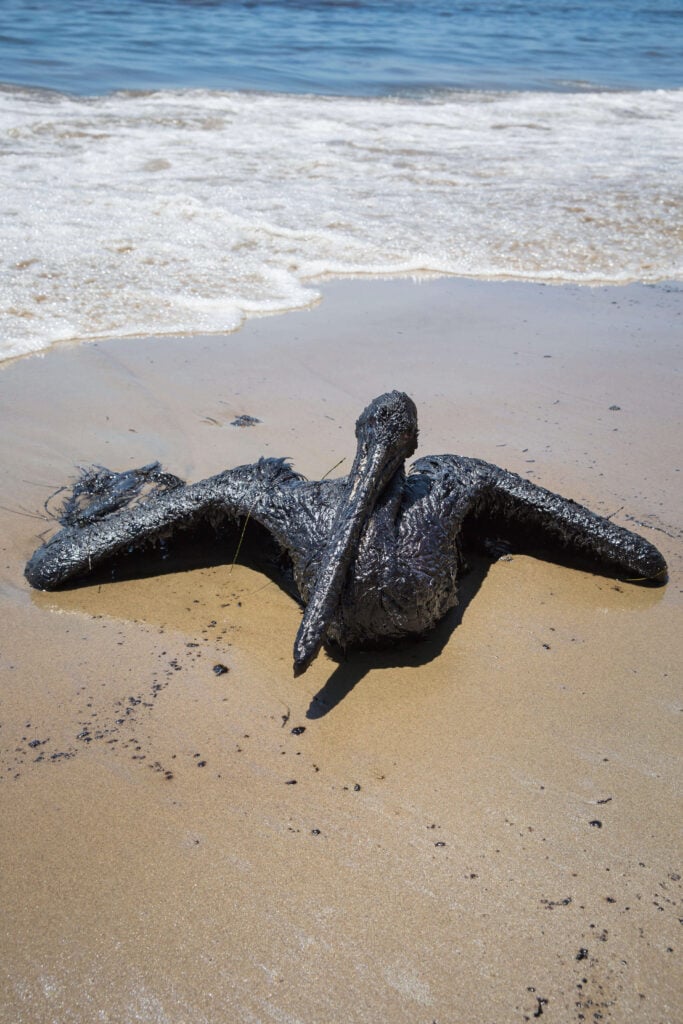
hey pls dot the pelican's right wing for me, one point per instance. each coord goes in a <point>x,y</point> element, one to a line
<point>95,532</point>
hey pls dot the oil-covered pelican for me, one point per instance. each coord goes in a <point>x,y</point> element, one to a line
<point>374,556</point>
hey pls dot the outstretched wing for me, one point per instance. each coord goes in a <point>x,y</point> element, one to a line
<point>521,509</point>
<point>97,527</point>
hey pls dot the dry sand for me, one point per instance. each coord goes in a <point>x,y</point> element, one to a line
<point>484,827</point>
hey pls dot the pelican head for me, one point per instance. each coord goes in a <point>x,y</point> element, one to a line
<point>386,433</point>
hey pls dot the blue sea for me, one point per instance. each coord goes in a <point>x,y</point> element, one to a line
<point>174,166</point>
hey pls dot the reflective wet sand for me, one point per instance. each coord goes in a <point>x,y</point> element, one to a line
<point>479,827</point>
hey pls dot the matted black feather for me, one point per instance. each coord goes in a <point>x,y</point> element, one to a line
<point>374,556</point>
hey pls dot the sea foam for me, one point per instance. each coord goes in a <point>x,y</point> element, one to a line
<point>181,212</point>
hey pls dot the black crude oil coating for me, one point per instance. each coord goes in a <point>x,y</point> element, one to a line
<point>374,556</point>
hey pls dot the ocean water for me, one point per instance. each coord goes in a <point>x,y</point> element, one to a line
<point>347,47</point>
<point>174,166</point>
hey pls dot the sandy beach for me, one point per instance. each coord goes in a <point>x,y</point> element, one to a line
<point>480,828</point>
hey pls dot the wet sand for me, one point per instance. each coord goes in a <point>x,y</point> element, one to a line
<point>482,827</point>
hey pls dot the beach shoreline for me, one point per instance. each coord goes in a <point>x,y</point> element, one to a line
<point>483,825</point>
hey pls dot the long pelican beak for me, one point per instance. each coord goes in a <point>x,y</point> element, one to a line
<point>387,435</point>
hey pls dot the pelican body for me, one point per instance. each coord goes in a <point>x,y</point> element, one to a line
<point>375,556</point>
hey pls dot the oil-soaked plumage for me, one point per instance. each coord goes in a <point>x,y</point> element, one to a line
<point>374,556</point>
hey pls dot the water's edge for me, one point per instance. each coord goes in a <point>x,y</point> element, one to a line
<point>186,212</point>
